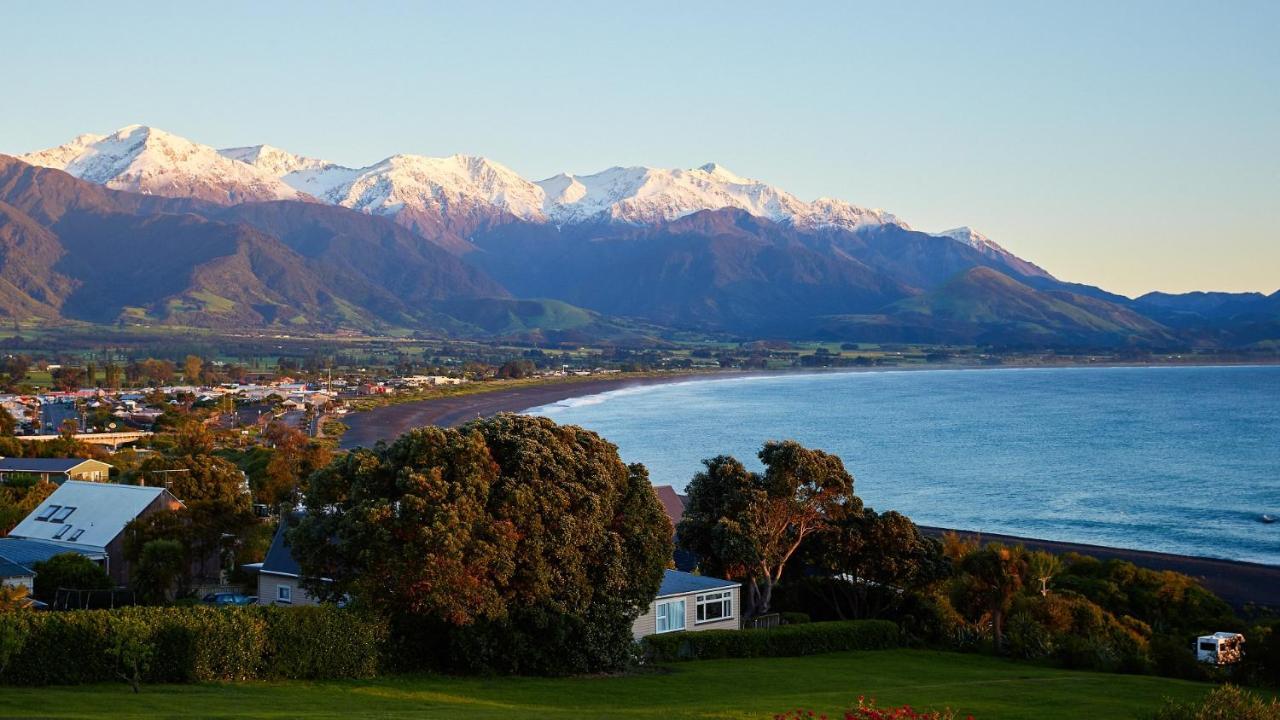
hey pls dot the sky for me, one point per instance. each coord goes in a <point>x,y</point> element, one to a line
<point>1130,145</point>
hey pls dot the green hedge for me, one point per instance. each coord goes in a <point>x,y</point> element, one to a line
<point>194,644</point>
<point>787,640</point>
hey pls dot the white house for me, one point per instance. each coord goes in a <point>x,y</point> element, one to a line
<point>690,603</point>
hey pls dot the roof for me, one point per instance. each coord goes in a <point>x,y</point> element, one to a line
<point>41,464</point>
<point>279,560</point>
<point>672,502</point>
<point>21,551</point>
<point>101,510</point>
<point>675,582</point>
<point>9,569</point>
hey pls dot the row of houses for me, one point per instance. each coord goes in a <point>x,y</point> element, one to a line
<point>89,518</point>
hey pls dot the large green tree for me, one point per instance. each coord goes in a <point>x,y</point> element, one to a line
<point>748,526</point>
<point>522,545</point>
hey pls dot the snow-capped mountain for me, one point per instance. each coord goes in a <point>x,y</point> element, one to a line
<point>146,160</point>
<point>459,192</point>
<point>989,247</point>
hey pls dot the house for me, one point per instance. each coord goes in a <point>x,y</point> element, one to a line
<point>55,470</point>
<point>673,504</point>
<point>14,574</point>
<point>86,518</point>
<point>690,603</point>
<point>279,575</point>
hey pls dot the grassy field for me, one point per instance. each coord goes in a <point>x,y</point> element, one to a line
<point>989,688</point>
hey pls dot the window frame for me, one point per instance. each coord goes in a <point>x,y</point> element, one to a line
<point>662,612</point>
<point>76,535</point>
<point>723,598</point>
<point>62,514</point>
<point>62,531</point>
<point>284,593</point>
<point>49,511</point>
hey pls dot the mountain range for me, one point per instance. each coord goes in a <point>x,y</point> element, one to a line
<point>143,226</point>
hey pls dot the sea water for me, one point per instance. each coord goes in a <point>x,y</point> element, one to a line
<point>1171,459</point>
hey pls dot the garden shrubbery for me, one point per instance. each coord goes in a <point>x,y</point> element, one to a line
<point>784,641</point>
<point>189,644</point>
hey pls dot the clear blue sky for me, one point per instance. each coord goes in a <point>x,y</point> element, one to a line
<point>1134,145</point>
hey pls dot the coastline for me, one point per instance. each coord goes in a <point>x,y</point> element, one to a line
<point>1237,582</point>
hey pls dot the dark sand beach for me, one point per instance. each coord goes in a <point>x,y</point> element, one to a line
<point>1239,583</point>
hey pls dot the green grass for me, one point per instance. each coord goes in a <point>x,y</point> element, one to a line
<point>989,688</point>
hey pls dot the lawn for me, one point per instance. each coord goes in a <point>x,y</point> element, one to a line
<point>988,688</point>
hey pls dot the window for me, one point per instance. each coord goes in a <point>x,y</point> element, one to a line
<point>62,514</point>
<point>76,535</point>
<point>284,593</point>
<point>715,606</point>
<point>670,616</point>
<point>48,512</point>
<point>1209,646</point>
<point>62,531</point>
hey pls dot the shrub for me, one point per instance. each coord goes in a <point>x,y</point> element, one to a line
<point>189,644</point>
<point>1225,703</point>
<point>784,641</point>
<point>795,618</point>
<point>868,710</point>
<point>1028,639</point>
<point>321,642</point>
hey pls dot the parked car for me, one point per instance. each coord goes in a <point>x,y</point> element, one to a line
<point>229,598</point>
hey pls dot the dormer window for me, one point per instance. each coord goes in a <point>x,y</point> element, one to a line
<point>62,514</point>
<point>48,512</point>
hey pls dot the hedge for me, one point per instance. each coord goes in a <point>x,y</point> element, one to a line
<point>783,641</point>
<point>194,644</point>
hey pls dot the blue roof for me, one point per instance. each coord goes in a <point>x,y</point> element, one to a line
<point>39,464</point>
<point>279,557</point>
<point>23,551</point>
<point>675,582</point>
<point>9,569</point>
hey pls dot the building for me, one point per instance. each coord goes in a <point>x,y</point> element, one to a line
<point>55,470</point>
<point>279,574</point>
<point>673,504</point>
<point>88,518</point>
<point>690,603</point>
<point>14,574</point>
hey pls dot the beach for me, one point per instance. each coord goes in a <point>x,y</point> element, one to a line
<point>1239,583</point>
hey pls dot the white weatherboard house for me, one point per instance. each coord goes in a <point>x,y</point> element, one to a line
<point>279,577</point>
<point>688,602</point>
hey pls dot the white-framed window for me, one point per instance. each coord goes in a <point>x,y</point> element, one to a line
<point>284,593</point>
<point>670,615</point>
<point>715,606</point>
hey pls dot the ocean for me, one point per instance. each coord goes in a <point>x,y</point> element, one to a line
<point>1171,459</point>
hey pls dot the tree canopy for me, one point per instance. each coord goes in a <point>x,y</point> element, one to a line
<point>512,527</point>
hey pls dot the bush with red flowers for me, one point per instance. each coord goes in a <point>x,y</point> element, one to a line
<point>868,710</point>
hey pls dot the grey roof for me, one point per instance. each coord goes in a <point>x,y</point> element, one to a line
<point>101,510</point>
<point>39,464</point>
<point>10,569</point>
<point>279,558</point>
<point>675,582</point>
<point>22,551</point>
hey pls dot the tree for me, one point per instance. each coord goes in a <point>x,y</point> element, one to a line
<point>293,458</point>
<point>191,369</point>
<point>1042,566</point>
<point>7,423</point>
<point>993,577</point>
<point>748,526</point>
<point>884,555</point>
<point>132,647</point>
<point>111,376</point>
<point>90,373</point>
<point>512,527</point>
<point>71,571</point>
<point>68,379</point>
<point>160,565</point>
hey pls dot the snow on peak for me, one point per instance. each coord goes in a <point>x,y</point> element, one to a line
<point>143,159</point>
<point>971,237</point>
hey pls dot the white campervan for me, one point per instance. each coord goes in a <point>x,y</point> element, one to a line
<point>1220,648</point>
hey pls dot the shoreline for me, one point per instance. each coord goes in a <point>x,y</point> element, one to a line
<point>364,428</point>
<point>1236,582</point>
